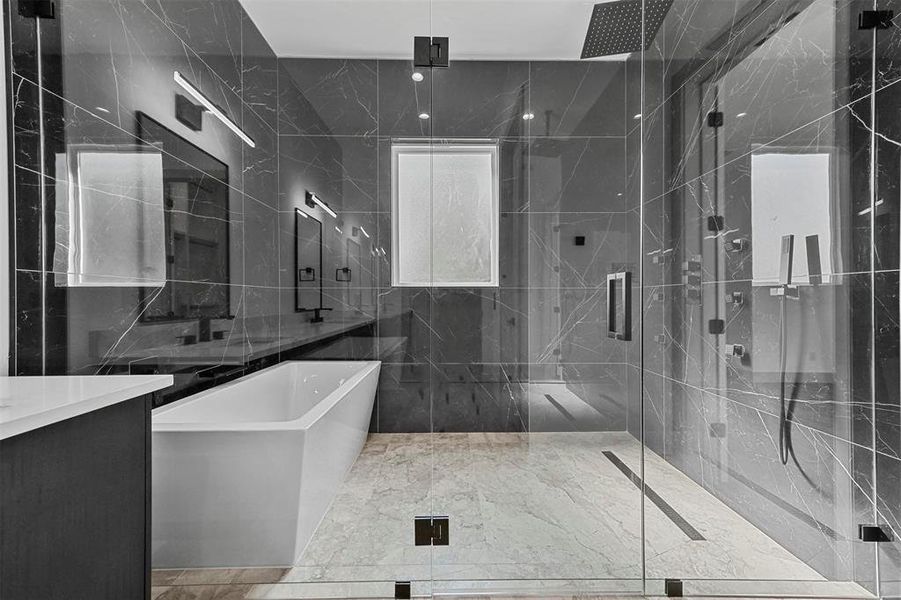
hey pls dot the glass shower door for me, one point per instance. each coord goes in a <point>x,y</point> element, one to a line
<point>534,465</point>
<point>758,329</point>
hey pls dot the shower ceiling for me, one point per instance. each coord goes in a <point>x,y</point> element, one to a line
<point>479,29</point>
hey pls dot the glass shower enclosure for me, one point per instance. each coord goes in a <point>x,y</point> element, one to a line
<point>630,268</point>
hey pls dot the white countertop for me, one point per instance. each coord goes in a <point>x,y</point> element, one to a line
<point>28,403</point>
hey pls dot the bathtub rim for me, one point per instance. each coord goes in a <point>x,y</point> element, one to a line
<point>303,422</point>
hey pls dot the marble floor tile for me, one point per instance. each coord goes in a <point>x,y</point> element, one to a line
<point>536,513</point>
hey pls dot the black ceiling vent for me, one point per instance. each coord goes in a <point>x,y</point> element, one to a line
<point>615,27</point>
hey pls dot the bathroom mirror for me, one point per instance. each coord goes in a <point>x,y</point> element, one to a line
<point>196,223</point>
<point>308,262</point>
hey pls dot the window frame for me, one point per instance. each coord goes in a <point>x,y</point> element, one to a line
<point>432,148</point>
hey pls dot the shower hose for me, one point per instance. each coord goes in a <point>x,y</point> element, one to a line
<point>784,440</point>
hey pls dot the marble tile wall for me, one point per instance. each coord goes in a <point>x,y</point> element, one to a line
<point>94,87</point>
<point>789,78</point>
<point>464,359</point>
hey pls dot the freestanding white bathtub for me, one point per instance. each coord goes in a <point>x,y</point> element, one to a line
<point>243,473</point>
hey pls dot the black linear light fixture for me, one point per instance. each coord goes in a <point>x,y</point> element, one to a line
<point>615,27</point>
<point>212,108</point>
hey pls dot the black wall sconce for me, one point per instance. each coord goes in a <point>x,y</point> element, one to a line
<point>312,200</point>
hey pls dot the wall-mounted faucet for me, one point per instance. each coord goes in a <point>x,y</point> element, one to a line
<point>317,315</point>
<point>204,331</point>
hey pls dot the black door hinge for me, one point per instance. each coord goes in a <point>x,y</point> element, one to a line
<point>430,52</point>
<point>874,533</point>
<point>716,326</point>
<point>673,588</point>
<point>875,19</point>
<point>431,531</point>
<point>37,9</point>
<point>716,223</point>
<point>715,119</point>
<point>402,590</point>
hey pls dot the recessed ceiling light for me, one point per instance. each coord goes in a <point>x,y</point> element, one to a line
<point>740,115</point>
<point>636,117</point>
<point>423,116</point>
<point>417,76</point>
<point>528,116</point>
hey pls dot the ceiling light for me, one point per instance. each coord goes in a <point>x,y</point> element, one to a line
<point>423,116</point>
<point>741,115</point>
<point>528,116</point>
<point>313,200</point>
<point>417,76</point>
<point>212,108</point>
<point>636,117</point>
<point>364,232</point>
<point>338,229</point>
<point>303,214</point>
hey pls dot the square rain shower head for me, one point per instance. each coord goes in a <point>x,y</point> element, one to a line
<point>615,27</point>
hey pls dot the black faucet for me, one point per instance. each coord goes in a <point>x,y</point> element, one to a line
<point>317,315</point>
<point>204,331</point>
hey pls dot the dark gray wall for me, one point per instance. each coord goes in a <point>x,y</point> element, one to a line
<point>103,62</point>
<point>470,359</point>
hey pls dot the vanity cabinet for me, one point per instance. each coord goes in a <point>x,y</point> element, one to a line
<point>75,507</point>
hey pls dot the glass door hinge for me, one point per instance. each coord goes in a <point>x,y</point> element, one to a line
<point>875,19</point>
<point>431,531</point>
<point>37,9</point>
<point>673,588</point>
<point>430,52</point>
<point>874,533</point>
<point>402,590</point>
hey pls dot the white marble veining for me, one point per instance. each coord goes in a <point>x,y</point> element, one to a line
<point>532,513</point>
<point>28,403</point>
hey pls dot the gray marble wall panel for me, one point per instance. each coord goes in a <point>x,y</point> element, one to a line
<point>468,357</point>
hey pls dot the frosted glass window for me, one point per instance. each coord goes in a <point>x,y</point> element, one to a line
<point>111,230</point>
<point>446,215</point>
<point>791,193</point>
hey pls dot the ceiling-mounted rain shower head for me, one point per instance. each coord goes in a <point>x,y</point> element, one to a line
<point>615,27</point>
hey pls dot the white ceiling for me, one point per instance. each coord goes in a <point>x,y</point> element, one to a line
<point>478,29</point>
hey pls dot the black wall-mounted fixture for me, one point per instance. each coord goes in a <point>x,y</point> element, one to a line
<point>402,590</point>
<point>37,9</point>
<point>214,110</point>
<point>715,119</point>
<point>579,240</point>
<point>814,266</point>
<point>716,326</point>
<point>874,533</point>
<point>875,19</point>
<point>313,201</point>
<point>188,114</point>
<point>615,27</point>
<point>672,588</point>
<point>430,52</point>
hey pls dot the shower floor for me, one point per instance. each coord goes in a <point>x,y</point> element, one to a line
<point>539,511</point>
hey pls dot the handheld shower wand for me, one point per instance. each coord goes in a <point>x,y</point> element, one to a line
<point>815,275</point>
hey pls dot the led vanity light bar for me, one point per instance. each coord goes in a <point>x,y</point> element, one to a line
<point>314,199</point>
<point>212,108</point>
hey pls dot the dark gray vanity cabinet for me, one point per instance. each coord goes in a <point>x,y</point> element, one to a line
<point>75,507</point>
